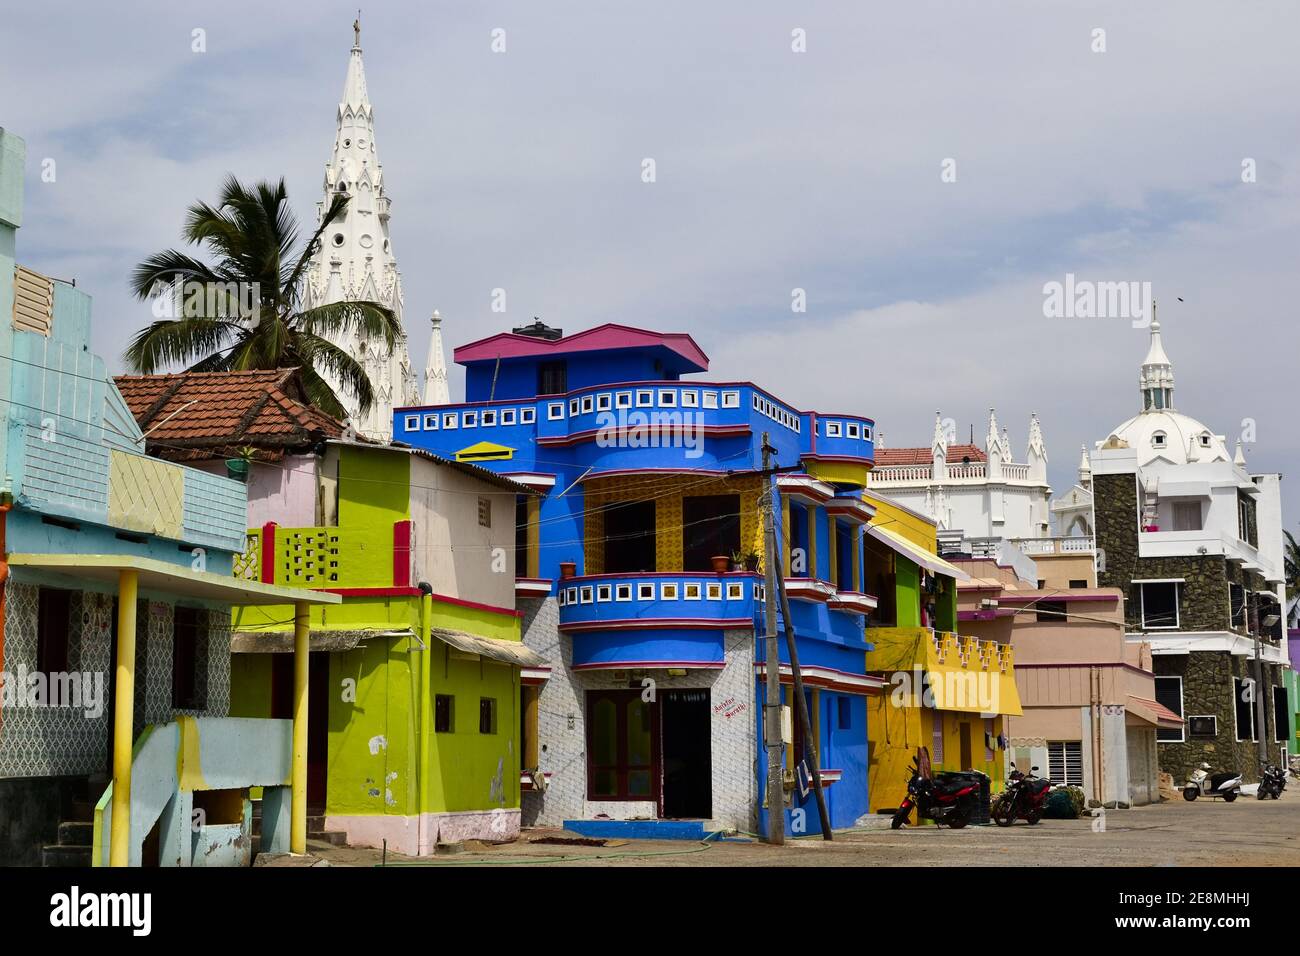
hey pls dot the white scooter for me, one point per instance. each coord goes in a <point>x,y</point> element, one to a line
<point>1226,785</point>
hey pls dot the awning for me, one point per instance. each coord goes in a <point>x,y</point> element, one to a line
<point>916,554</point>
<point>1153,713</point>
<point>159,576</point>
<point>513,653</point>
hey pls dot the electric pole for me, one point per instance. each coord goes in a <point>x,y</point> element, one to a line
<point>772,667</point>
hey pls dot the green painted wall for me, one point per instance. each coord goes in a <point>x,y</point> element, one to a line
<point>945,606</point>
<point>907,587</point>
<point>374,489</point>
<point>250,685</point>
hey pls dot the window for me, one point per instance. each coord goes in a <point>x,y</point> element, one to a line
<point>710,399</point>
<point>444,714</point>
<point>1237,605</point>
<point>470,419</point>
<point>1065,762</point>
<point>1158,440</point>
<point>411,423</point>
<point>575,405</point>
<point>1187,516</point>
<point>528,415</point>
<point>53,617</point>
<point>644,397</point>
<point>1203,726</point>
<point>844,707</point>
<point>667,398</point>
<point>487,715</point>
<point>485,512</point>
<point>730,399</point>
<point>603,592</point>
<point>1281,725</point>
<point>603,402</point>
<point>645,592</point>
<point>690,399</point>
<point>552,378</point>
<point>832,429</point>
<point>1050,612</point>
<point>629,537</point>
<point>1169,693</point>
<point>189,659</point>
<point>507,416</point>
<point>1077,583</point>
<point>449,420</point>
<point>431,422</point>
<point>489,418</point>
<point>668,591</point>
<point>1243,693</point>
<point>623,592</point>
<point>588,404</point>
<point>620,752</point>
<point>851,430</point>
<point>1159,604</point>
<point>554,411</point>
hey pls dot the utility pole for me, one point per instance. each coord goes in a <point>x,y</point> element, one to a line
<point>772,666</point>
<point>810,744</point>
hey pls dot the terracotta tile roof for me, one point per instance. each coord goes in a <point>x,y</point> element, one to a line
<point>188,416</point>
<point>924,456</point>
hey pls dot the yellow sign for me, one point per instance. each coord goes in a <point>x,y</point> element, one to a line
<point>485,451</point>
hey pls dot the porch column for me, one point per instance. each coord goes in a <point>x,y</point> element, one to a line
<point>301,644</point>
<point>123,713</point>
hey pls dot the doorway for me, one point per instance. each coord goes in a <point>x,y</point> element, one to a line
<point>965,746</point>
<point>318,685</point>
<point>629,537</point>
<point>710,526</point>
<point>687,755</point>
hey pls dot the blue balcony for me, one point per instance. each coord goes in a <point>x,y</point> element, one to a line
<point>656,620</point>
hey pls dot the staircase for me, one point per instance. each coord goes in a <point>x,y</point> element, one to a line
<point>316,832</point>
<point>73,846</point>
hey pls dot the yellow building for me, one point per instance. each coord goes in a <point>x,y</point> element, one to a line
<point>942,691</point>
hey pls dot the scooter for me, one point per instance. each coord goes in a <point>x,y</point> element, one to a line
<point>1023,798</point>
<point>1272,783</point>
<point>1225,785</point>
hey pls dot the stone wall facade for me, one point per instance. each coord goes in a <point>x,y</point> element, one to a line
<point>562,731</point>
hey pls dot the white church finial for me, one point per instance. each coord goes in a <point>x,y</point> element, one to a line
<point>1085,466</point>
<point>355,258</point>
<point>435,369</point>
<point>993,448</point>
<point>1240,457</point>
<point>939,451</point>
<point>1157,378</point>
<point>1037,453</point>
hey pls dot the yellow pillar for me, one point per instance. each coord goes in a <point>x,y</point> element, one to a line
<point>123,713</point>
<point>833,575</point>
<point>301,645</point>
<point>785,536</point>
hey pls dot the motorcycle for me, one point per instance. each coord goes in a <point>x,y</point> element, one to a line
<point>1023,798</point>
<point>1225,785</point>
<point>1272,783</point>
<point>945,798</point>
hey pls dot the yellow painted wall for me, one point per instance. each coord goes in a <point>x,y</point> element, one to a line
<point>913,527</point>
<point>667,492</point>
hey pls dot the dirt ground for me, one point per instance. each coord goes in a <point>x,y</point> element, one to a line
<point>1245,833</point>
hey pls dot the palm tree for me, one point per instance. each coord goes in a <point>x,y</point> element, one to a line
<point>245,311</point>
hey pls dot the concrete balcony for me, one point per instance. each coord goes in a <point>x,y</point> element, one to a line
<point>683,599</point>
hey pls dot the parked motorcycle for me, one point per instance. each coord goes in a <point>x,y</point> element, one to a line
<point>1272,783</point>
<point>945,798</point>
<point>1023,799</point>
<point>1225,785</point>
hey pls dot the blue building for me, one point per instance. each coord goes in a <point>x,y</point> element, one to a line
<point>639,570</point>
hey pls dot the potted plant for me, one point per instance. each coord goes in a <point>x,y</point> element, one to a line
<point>237,468</point>
<point>721,563</point>
<point>752,560</point>
<point>568,569</point>
<point>737,561</point>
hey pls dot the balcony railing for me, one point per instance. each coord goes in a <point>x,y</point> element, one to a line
<point>954,471</point>
<point>1072,544</point>
<point>660,599</point>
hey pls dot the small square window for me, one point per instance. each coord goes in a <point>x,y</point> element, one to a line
<point>623,592</point>
<point>735,591</point>
<point>487,715</point>
<point>559,598</point>
<point>575,406</point>
<point>603,402</point>
<point>692,592</point>
<point>484,512</point>
<point>572,596</point>
<point>528,415</point>
<point>586,593</point>
<point>644,397</point>
<point>554,411</point>
<point>603,592</point>
<point>469,420</point>
<point>710,399</point>
<point>851,429</point>
<point>623,400</point>
<point>449,420</point>
<point>645,592</point>
<point>444,714</point>
<point>866,433</point>
<point>713,591</point>
<point>668,592</point>
<point>412,423</point>
<point>690,399</point>
<point>431,422</point>
<point>667,398</point>
<point>832,429</point>
<point>758,405</point>
<point>730,399</point>
<point>507,416</point>
<point>588,403</point>
<point>489,418</point>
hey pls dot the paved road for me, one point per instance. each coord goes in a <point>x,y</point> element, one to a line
<point>1245,833</point>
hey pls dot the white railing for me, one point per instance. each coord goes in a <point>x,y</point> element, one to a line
<point>954,471</point>
<point>901,474</point>
<point>1070,544</point>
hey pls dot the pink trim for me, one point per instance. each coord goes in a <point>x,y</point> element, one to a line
<point>372,592</point>
<point>650,665</point>
<point>853,459</point>
<point>644,623</point>
<point>476,605</point>
<point>620,472</point>
<point>402,554</point>
<point>1092,597</point>
<point>656,575</point>
<point>507,345</point>
<point>268,553</point>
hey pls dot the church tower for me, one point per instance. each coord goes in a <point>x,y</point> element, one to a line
<point>355,259</point>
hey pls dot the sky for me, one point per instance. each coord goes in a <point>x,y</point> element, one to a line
<point>920,171</point>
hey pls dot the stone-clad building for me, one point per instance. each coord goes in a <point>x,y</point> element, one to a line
<point>1194,540</point>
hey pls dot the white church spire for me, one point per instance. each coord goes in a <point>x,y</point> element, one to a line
<point>1037,451</point>
<point>435,368</point>
<point>355,259</point>
<point>1157,379</point>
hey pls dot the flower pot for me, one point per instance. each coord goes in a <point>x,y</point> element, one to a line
<point>568,569</point>
<point>721,563</point>
<point>751,563</point>
<point>237,468</point>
